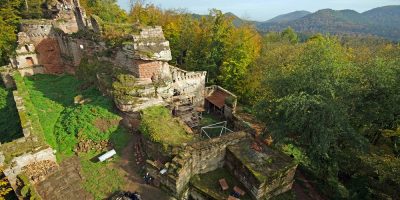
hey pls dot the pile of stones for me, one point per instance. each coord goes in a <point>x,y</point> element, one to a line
<point>90,145</point>
<point>38,171</point>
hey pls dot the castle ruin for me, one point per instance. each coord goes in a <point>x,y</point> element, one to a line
<point>60,45</point>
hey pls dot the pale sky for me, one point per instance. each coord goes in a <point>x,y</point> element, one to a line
<point>262,10</point>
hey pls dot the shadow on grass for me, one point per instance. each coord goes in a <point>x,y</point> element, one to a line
<point>10,124</point>
<point>66,117</point>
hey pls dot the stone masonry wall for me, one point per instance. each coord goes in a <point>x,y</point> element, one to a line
<point>147,69</point>
<point>18,163</point>
<point>37,30</point>
<point>197,158</point>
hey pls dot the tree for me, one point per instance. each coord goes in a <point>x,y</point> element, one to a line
<point>9,19</point>
<point>107,10</point>
<point>5,187</point>
<point>301,101</point>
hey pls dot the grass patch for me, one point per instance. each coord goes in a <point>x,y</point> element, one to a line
<point>64,121</point>
<point>159,126</point>
<point>50,95</point>
<point>101,179</point>
<point>209,119</point>
<point>208,184</point>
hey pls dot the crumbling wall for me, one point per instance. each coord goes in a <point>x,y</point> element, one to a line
<point>197,158</point>
<point>37,30</point>
<point>18,163</point>
<point>74,49</point>
<point>263,178</point>
<point>191,84</point>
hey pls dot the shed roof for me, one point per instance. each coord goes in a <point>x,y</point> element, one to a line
<point>217,98</point>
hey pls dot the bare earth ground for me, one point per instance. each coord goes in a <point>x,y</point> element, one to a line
<point>134,180</point>
<point>65,184</point>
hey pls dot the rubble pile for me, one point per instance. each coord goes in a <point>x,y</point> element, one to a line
<point>38,171</point>
<point>85,146</point>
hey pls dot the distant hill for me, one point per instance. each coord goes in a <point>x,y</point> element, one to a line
<point>289,17</point>
<point>237,21</point>
<point>382,21</point>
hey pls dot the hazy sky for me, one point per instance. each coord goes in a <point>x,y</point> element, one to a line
<point>262,10</point>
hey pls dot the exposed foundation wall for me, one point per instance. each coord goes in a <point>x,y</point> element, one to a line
<point>197,158</point>
<point>30,71</point>
<point>18,163</point>
<point>260,190</point>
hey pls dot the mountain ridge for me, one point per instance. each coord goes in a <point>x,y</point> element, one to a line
<point>382,22</point>
<point>289,16</point>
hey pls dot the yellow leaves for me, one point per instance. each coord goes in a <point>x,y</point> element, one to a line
<point>5,186</point>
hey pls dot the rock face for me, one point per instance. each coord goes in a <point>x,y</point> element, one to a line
<point>150,44</point>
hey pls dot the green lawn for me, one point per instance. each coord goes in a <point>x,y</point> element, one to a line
<point>101,179</point>
<point>65,123</point>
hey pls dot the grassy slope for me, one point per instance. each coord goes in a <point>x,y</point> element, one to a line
<point>62,120</point>
<point>50,95</point>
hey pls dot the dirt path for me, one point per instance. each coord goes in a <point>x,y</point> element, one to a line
<point>134,180</point>
<point>64,184</point>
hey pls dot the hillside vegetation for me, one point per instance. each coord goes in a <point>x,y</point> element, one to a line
<point>288,17</point>
<point>383,22</point>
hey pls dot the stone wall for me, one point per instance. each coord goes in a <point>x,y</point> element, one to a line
<point>72,49</point>
<point>26,60</point>
<point>37,30</point>
<point>32,70</point>
<point>265,173</point>
<point>18,163</point>
<point>197,158</point>
<point>190,84</point>
<point>31,148</point>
